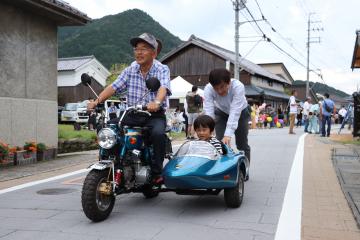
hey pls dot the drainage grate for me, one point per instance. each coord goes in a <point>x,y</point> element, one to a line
<point>56,191</point>
<point>345,152</point>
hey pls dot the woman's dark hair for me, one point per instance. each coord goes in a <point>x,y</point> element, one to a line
<point>293,91</point>
<point>204,121</point>
<point>194,88</point>
<point>218,76</point>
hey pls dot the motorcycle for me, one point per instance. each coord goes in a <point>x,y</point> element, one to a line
<point>125,157</point>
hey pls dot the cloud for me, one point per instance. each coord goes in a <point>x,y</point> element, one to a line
<point>214,22</point>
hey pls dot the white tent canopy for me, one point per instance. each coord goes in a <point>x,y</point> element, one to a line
<point>179,88</point>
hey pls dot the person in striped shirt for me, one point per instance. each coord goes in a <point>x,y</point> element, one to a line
<point>204,126</point>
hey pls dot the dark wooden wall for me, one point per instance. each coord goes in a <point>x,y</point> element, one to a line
<point>77,93</point>
<point>194,64</point>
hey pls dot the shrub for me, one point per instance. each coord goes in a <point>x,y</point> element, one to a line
<point>30,146</point>
<point>41,147</point>
<point>4,150</point>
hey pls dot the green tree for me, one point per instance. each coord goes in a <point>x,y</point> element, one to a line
<point>115,71</point>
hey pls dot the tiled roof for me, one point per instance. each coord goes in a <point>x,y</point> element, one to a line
<point>70,64</point>
<point>245,64</point>
<point>274,93</point>
<point>252,90</point>
<point>59,11</point>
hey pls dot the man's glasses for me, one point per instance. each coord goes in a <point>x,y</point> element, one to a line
<point>141,50</point>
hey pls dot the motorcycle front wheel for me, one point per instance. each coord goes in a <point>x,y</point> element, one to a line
<point>97,206</point>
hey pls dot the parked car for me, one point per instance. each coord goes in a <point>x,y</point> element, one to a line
<point>82,114</point>
<point>75,112</point>
<point>60,109</point>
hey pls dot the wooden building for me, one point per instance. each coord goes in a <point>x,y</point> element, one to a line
<point>70,88</point>
<point>194,59</point>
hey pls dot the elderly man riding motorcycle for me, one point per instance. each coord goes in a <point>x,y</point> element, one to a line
<point>133,80</point>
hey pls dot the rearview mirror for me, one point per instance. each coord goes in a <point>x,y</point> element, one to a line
<point>85,79</point>
<point>153,84</point>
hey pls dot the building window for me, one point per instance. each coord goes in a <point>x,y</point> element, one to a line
<point>270,83</point>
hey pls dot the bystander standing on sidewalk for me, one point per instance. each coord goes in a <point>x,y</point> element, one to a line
<point>342,114</point>
<point>306,110</point>
<point>293,111</point>
<point>193,109</point>
<point>326,110</point>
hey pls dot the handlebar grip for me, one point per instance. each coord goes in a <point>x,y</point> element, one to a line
<point>144,108</point>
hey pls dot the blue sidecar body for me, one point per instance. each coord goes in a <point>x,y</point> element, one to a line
<point>198,165</point>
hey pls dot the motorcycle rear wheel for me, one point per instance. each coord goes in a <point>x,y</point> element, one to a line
<point>96,206</point>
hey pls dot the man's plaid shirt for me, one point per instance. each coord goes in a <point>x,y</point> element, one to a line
<point>132,81</point>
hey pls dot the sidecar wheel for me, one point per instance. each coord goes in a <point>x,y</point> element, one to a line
<point>149,192</point>
<point>234,196</point>
<point>96,206</point>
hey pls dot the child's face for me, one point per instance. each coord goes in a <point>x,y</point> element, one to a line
<point>203,133</point>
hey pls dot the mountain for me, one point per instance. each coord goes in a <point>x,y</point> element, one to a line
<point>108,38</point>
<point>322,88</point>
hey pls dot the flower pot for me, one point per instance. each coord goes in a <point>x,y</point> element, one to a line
<point>24,157</point>
<point>47,154</point>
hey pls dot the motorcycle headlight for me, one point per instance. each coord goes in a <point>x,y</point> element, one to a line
<point>106,138</point>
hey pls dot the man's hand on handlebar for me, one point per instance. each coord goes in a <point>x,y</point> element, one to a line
<point>92,104</point>
<point>153,106</point>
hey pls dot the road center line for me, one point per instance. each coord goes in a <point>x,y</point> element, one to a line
<point>25,185</point>
<point>289,225</point>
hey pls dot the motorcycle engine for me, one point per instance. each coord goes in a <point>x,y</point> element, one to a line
<point>142,173</point>
<point>134,172</point>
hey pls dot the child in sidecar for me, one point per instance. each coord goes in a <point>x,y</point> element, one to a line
<point>207,166</point>
<point>204,127</point>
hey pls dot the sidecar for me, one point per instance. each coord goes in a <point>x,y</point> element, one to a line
<point>198,168</point>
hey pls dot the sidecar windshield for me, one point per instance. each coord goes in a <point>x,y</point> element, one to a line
<point>198,149</point>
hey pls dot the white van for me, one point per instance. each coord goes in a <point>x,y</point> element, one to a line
<point>75,112</point>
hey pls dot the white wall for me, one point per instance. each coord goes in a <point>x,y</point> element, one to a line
<point>73,78</point>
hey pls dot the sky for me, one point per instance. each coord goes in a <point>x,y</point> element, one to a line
<point>334,23</point>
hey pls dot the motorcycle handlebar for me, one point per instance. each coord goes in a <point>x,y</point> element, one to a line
<point>144,108</point>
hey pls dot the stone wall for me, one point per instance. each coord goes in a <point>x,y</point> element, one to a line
<point>28,77</point>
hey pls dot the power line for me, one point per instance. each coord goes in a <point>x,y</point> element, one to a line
<point>269,40</point>
<point>277,32</point>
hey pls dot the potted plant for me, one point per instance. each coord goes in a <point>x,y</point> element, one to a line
<point>4,152</point>
<point>44,152</point>
<point>26,156</point>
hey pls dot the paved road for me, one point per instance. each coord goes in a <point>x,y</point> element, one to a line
<point>38,212</point>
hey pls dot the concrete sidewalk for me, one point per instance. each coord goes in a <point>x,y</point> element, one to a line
<point>64,163</point>
<point>325,213</point>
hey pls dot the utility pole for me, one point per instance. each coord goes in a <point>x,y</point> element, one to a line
<point>238,5</point>
<point>308,49</point>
